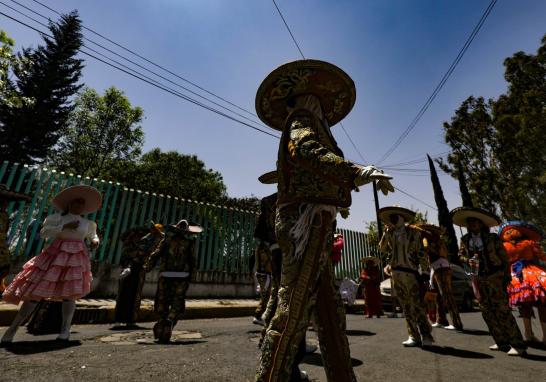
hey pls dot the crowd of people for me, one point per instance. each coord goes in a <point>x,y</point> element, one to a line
<point>298,247</point>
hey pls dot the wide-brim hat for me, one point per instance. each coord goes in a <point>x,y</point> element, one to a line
<point>431,229</point>
<point>270,177</point>
<point>91,196</point>
<point>386,212</point>
<point>12,196</point>
<point>335,89</point>
<point>528,230</point>
<point>369,258</point>
<point>461,214</point>
<point>190,227</point>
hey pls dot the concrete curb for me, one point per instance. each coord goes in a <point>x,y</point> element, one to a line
<point>103,311</point>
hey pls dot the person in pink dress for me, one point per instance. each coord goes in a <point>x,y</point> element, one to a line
<point>62,271</point>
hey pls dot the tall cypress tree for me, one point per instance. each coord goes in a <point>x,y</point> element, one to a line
<point>444,218</point>
<point>49,76</point>
<point>463,188</point>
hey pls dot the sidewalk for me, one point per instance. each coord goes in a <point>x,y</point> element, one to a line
<point>101,311</point>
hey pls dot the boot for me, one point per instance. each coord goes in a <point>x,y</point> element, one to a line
<point>68,309</point>
<point>26,310</point>
<point>167,331</point>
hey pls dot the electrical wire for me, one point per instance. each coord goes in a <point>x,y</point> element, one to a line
<point>441,84</point>
<point>144,78</point>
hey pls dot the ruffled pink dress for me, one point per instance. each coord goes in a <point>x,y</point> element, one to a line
<point>62,271</point>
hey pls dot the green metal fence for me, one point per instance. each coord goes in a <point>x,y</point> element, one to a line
<point>225,245</point>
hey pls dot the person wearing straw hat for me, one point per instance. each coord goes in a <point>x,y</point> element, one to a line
<point>440,274</point>
<point>6,197</point>
<point>176,254</point>
<point>138,244</point>
<point>484,252</point>
<point>302,99</point>
<point>370,275</point>
<point>527,289</point>
<point>403,242</point>
<point>62,271</point>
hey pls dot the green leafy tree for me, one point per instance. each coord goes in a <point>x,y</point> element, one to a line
<point>101,130</point>
<point>499,145</point>
<point>9,97</point>
<point>49,76</point>
<point>170,173</point>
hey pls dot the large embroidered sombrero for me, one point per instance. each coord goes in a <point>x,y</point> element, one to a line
<point>460,214</point>
<point>270,177</point>
<point>335,89</point>
<point>12,196</point>
<point>528,230</point>
<point>386,212</point>
<point>91,196</point>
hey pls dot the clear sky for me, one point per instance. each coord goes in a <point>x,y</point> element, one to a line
<point>395,50</point>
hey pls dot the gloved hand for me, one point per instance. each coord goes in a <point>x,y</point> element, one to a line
<point>370,173</point>
<point>124,273</point>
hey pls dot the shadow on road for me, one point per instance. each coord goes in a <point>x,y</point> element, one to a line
<point>35,347</point>
<point>476,332</point>
<point>535,345</point>
<point>457,352</point>
<point>535,357</point>
<point>359,333</point>
<point>254,332</point>
<point>316,360</point>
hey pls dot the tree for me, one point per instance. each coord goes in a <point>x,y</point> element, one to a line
<point>9,97</point>
<point>444,218</point>
<point>49,76</point>
<point>170,173</point>
<point>498,146</point>
<point>101,130</point>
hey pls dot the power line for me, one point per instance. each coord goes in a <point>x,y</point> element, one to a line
<point>415,161</point>
<point>136,64</point>
<point>144,78</point>
<point>415,198</point>
<point>152,63</point>
<point>440,85</point>
<point>303,56</point>
<point>288,28</point>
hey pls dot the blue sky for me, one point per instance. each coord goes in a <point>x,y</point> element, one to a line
<point>395,50</point>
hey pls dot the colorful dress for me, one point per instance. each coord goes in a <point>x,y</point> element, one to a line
<point>62,271</point>
<point>528,284</point>
<point>371,278</point>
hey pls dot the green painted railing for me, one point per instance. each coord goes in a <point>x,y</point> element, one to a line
<point>225,245</point>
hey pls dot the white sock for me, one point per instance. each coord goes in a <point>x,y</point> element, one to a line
<point>26,310</point>
<point>68,309</point>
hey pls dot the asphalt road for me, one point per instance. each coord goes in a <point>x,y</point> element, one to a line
<point>226,350</point>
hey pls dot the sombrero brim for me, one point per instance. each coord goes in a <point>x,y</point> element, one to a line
<point>14,196</point>
<point>191,228</point>
<point>370,258</point>
<point>270,177</point>
<point>461,214</point>
<point>528,230</point>
<point>386,212</point>
<point>91,196</point>
<point>335,89</point>
<point>431,229</point>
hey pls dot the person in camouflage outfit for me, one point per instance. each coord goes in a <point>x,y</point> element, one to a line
<point>138,244</point>
<point>176,254</point>
<point>6,197</point>
<point>484,253</point>
<point>302,99</point>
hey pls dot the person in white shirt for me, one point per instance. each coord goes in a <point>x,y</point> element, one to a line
<point>62,271</point>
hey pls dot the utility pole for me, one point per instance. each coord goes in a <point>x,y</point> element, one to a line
<point>376,198</point>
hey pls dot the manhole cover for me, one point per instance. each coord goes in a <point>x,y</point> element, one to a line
<point>147,337</point>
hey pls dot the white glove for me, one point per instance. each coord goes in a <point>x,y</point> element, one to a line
<point>370,173</point>
<point>126,272</point>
